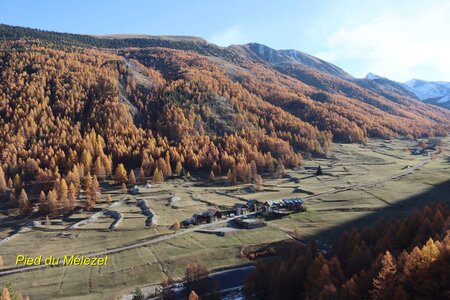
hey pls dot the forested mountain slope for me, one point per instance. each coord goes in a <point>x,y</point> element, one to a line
<point>72,104</point>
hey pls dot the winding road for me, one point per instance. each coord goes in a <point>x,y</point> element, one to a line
<point>14,270</point>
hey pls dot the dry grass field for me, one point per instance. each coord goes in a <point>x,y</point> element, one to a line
<point>366,171</point>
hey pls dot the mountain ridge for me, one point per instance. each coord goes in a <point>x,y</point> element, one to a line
<point>168,105</point>
<point>430,92</point>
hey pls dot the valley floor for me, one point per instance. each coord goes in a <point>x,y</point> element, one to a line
<point>361,183</point>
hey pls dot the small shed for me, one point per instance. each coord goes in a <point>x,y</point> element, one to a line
<point>134,190</point>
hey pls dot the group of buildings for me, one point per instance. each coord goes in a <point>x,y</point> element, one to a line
<point>424,149</point>
<point>272,207</point>
<point>276,208</point>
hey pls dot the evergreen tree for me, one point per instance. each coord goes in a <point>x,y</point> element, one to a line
<point>86,159</point>
<point>157,176</point>
<point>12,197</point>
<point>141,175</point>
<point>176,225</point>
<point>193,296</point>
<point>280,168</point>
<point>211,176</point>
<point>52,200</point>
<point>254,171</point>
<point>3,185</point>
<point>259,184</point>
<point>132,178</point>
<point>24,203</point>
<point>72,196</point>
<point>43,204</point>
<point>178,168</point>
<point>17,182</point>
<point>120,175</point>
<point>319,171</point>
<point>99,170</point>
<point>63,195</point>
<point>384,284</point>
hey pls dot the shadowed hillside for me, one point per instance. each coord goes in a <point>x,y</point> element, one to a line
<point>399,252</point>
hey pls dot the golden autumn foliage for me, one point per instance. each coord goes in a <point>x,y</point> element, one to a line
<point>120,175</point>
<point>5,294</point>
<point>66,111</point>
<point>389,260</point>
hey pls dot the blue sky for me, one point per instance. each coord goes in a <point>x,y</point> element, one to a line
<point>398,39</point>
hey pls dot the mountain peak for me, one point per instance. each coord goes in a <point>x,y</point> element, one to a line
<point>372,76</point>
<point>282,58</point>
<point>434,92</point>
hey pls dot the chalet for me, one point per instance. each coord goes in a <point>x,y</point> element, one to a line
<point>240,209</point>
<point>293,204</point>
<point>284,205</point>
<point>199,219</point>
<point>209,216</point>
<point>254,205</point>
<point>270,205</point>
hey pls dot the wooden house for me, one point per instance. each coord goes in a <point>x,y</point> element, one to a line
<point>209,216</point>
<point>254,205</point>
<point>240,209</point>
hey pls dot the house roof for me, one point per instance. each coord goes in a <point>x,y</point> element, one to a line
<point>210,212</point>
<point>251,203</point>
<point>287,201</point>
<point>240,206</point>
<point>293,201</point>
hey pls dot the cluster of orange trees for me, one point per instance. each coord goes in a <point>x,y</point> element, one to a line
<point>398,259</point>
<point>68,113</point>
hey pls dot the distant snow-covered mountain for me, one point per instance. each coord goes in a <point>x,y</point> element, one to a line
<point>428,89</point>
<point>432,92</point>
